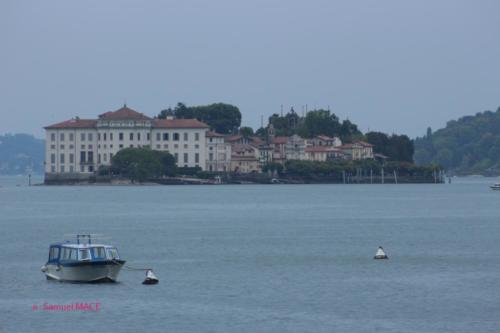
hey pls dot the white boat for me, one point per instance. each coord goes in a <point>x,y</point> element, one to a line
<point>83,261</point>
<point>495,186</point>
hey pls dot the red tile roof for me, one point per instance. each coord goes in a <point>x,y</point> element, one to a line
<point>214,134</point>
<point>124,113</point>
<point>280,140</point>
<point>178,123</point>
<point>233,138</point>
<point>74,123</point>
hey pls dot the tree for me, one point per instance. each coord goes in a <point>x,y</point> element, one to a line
<point>246,131</point>
<point>222,118</point>
<point>140,164</point>
<point>320,122</point>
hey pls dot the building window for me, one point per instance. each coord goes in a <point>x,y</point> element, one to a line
<point>120,146</point>
<point>71,137</point>
<point>158,146</point>
<point>61,146</point>
<point>52,146</point>
<point>131,146</point>
<point>82,168</point>
<point>105,157</point>
<point>90,146</point>
<point>196,136</point>
<point>165,146</point>
<point>91,168</point>
<point>82,136</point>
<point>71,169</point>
<point>131,136</point>
<point>53,137</point>
<point>148,136</point>
<point>196,158</point>
<point>61,137</point>
<point>110,146</point>
<point>98,158</point>
<point>62,168</point>
<point>52,169</point>
<point>90,157</point>
<point>176,136</point>
<point>90,136</point>
<point>82,157</point>
<point>71,146</point>
<point>210,140</point>
<point>185,158</point>
<point>61,159</point>
<point>176,157</point>
<point>196,146</point>
<point>110,156</point>
<point>185,146</point>
<point>82,146</point>
<point>71,158</point>
<point>185,136</point>
<point>120,136</point>
<point>165,136</point>
<point>110,136</point>
<point>98,136</point>
<point>104,136</point>
<point>211,157</point>
<point>138,136</point>
<point>52,158</point>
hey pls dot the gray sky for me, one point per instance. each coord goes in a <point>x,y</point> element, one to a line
<point>395,66</point>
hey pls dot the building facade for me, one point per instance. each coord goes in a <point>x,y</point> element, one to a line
<point>80,146</point>
<point>218,152</point>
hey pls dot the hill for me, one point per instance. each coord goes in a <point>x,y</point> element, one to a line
<point>21,154</point>
<point>469,145</point>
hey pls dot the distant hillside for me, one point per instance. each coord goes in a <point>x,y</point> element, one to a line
<point>21,154</point>
<point>468,145</point>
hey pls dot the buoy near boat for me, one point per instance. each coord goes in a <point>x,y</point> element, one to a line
<point>150,278</point>
<point>380,254</point>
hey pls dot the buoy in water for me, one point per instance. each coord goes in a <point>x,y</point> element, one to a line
<point>380,254</point>
<point>150,278</point>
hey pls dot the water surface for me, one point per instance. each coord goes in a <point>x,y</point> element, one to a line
<point>270,258</point>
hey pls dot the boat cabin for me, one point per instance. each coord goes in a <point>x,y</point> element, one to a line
<point>81,251</point>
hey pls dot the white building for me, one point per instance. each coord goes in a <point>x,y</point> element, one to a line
<point>79,146</point>
<point>218,158</point>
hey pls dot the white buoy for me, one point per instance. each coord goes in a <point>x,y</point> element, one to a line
<point>150,278</point>
<point>380,254</point>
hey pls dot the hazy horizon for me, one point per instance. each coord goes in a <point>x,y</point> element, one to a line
<point>387,66</point>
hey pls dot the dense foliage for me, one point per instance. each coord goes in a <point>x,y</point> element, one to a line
<point>140,164</point>
<point>337,168</point>
<point>222,118</point>
<point>21,154</point>
<point>316,122</point>
<point>395,147</point>
<point>470,144</point>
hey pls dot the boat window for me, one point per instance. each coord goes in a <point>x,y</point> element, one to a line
<point>99,253</point>
<point>73,254</point>
<point>113,254</point>
<point>54,253</point>
<point>84,254</point>
<point>65,253</point>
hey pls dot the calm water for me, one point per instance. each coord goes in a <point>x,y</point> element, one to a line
<point>260,258</point>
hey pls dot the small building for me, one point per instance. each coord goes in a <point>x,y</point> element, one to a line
<point>323,140</point>
<point>358,150</point>
<point>324,153</point>
<point>218,157</point>
<point>295,148</point>
<point>245,158</point>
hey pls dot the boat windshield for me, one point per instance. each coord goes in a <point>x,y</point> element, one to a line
<point>84,254</point>
<point>112,253</point>
<point>99,252</point>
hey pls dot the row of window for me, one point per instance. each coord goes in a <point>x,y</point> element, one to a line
<point>90,137</point>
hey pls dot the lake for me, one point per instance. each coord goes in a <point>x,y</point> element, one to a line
<point>260,258</point>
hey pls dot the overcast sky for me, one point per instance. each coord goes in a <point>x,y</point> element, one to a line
<point>395,66</point>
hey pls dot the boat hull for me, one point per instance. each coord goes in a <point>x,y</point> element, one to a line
<point>87,272</point>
